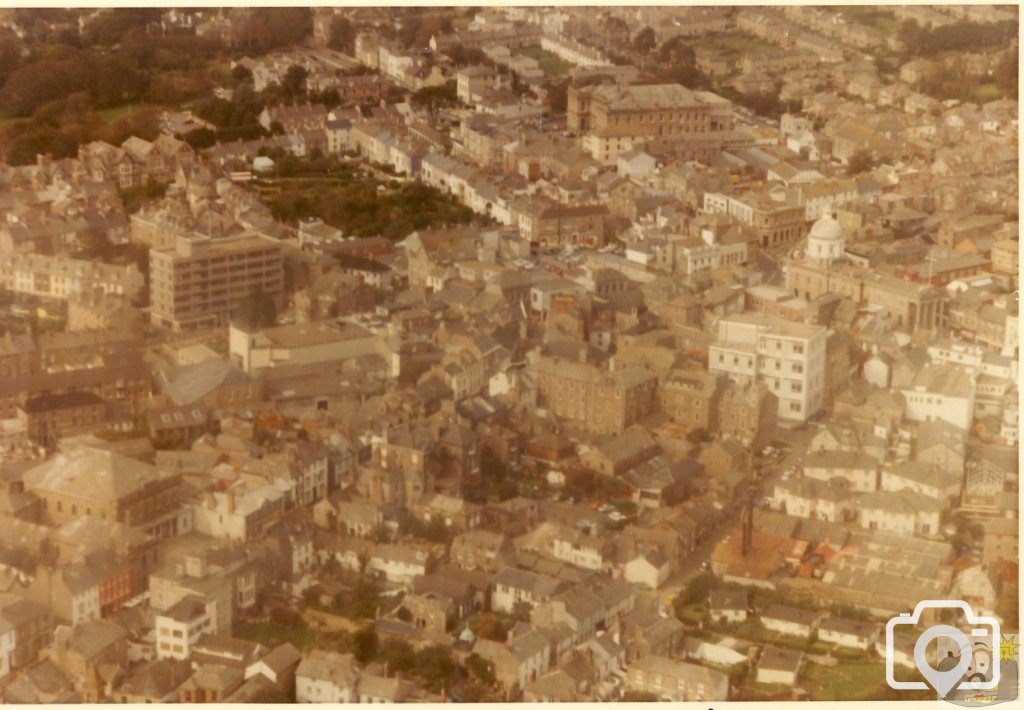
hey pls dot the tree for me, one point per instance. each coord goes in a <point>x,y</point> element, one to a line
<point>258,309</point>
<point>435,667</point>
<point>435,97</point>
<point>482,669</point>
<point>342,35</point>
<point>645,41</point>
<point>200,138</point>
<point>241,74</point>
<point>399,656</point>
<point>294,82</point>
<point>861,161</point>
<point>364,644</point>
<point>1006,74</point>
<point>556,96</point>
<point>269,27</point>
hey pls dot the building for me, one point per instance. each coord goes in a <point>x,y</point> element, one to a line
<point>326,677</point>
<point>779,665</point>
<point>941,392</point>
<point>610,119</point>
<point>112,487</point>
<point>180,627</point>
<point>774,222</point>
<point>200,281</point>
<point>677,681</point>
<point>49,417</point>
<point>787,357</point>
<point>591,399</point>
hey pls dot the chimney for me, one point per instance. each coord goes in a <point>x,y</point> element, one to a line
<point>387,669</point>
<point>747,524</point>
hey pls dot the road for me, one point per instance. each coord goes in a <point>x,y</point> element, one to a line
<point>799,440</point>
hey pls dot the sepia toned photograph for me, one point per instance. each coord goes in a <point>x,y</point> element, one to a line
<point>488,354</point>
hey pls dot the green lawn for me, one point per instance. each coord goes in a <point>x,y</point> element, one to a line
<point>272,634</point>
<point>850,680</point>
<point>112,114</point>
<point>735,45</point>
<point>879,18</point>
<point>548,62</point>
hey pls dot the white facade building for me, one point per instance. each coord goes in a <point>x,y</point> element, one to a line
<point>788,357</point>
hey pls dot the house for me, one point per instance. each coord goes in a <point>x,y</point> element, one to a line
<point>848,633</point>
<point>481,549</point>
<point>675,680</point>
<point>621,453</point>
<point>790,621</point>
<point>398,563</point>
<point>860,471</point>
<point>326,677</point>
<point>278,667</point>
<point>728,606</point>
<point>155,681</point>
<point>515,586</point>
<point>779,666</point>
<point>903,512</point>
<point>522,659</point>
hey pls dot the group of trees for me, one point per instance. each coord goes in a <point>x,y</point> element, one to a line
<point>359,208</point>
<point>961,36</point>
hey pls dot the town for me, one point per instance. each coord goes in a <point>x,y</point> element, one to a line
<point>453,354</point>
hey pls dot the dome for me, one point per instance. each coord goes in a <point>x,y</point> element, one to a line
<point>826,229</point>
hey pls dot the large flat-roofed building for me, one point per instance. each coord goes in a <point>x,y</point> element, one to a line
<point>595,400</point>
<point>200,281</point>
<point>611,118</point>
<point>301,344</point>
<point>788,357</point>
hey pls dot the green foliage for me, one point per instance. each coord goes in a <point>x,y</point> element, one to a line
<point>645,40</point>
<point>698,589</point>
<point>1006,73</point>
<point>860,162</point>
<point>257,309</point>
<point>768,105</point>
<point>435,667</point>
<point>521,612</point>
<point>234,120</point>
<point>342,35</point>
<point>357,208</point>
<point>134,197</point>
<point>436,96</point>
<point>482,669</point>
<point>109,28</point>
<point>200,138</point>
<point>365,600</point>
<point>557,96</point>
<point>364,644</point>
<point>466,56</point>
<point>492,625</point>
<point>270,27</point>
<point>294,82</point>
<point>399,656</point>
<point>587,485</point>
<point>960,36</point>
<point>23,149</point>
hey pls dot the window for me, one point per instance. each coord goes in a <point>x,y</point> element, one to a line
<point>797,348</point>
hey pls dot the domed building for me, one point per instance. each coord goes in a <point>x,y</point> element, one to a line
<point>826,241</point>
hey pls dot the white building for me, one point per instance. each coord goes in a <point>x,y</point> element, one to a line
<point>788,357</point>
<point>179,628</point>
<point>943,392</point>
<point>6,647</point>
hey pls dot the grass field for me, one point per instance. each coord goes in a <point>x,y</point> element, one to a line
<point>735,45</point>
<point>112,114</point>
<point>548,62</point>
<point>850,680</point>
<point>879,18</point>
<point>271,635</point>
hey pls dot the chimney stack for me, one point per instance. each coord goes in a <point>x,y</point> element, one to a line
<point>747,525</point>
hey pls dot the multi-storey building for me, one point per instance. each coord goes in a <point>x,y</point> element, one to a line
<point>610,119</point>
<point>773,221</point>
<point>788,357</point>
<point>201,281</point>
<point>589,398</point>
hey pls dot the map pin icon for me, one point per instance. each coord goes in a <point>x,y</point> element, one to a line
<point>943,681</point>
